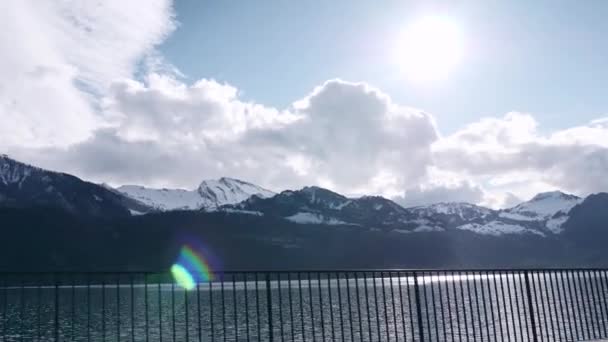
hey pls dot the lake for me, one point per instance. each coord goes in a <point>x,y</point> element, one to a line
<point>481,306</point>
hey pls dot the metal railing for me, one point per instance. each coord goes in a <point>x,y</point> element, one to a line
<point>381,305</point>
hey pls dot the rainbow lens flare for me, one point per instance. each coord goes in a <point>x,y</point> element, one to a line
<point>182,277</point>
<point>191,268</point>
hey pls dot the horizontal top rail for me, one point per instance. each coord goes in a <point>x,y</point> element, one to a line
<point>283,271</point>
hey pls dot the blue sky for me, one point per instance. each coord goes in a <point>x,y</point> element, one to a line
<point>543,57</point>
<point>287,94</point>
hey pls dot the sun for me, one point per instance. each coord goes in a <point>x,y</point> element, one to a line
<point>430,48</point>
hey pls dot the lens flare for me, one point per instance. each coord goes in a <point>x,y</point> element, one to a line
<point>182,277</point>
<point>191,267</point>
<point>197,265</point>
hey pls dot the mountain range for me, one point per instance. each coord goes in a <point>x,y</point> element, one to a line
<point>553,222</point>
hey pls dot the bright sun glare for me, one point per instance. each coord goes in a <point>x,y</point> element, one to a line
<point>430,48</point>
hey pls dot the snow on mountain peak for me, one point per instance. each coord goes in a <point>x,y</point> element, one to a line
<point>229,191</point>
<point>209,195</point>
<point>549,207</point>
<point>543,206</point>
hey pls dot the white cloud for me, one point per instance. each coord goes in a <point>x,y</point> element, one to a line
<point>58,56</point>
<point>69,100</point>
<point>512,155</point>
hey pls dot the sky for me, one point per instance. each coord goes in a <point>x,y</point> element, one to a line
<point>488,102</point>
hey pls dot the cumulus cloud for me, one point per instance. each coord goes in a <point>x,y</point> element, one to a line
<point>70,101</point>
<point>342,135</point>
<point>57,56</point>
<point>511,151</point>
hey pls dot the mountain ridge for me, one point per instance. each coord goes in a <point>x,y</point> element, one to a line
<point>544,214</point>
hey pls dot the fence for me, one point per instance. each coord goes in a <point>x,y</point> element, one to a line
<point>380,305</point>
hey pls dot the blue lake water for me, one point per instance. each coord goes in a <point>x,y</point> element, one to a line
<point>482,307</point>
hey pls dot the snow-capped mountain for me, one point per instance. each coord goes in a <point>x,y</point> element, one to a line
<point>315,205</point>
<point>549,209</point>
<point>209,195</point>
<point>541,216</point>
<point>23,185</point>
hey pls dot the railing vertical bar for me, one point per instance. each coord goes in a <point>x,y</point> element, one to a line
<point>21,309</point>
<point>321,310</point>
<point>435,317</point>
<point>600,308</point>
<point>409,304</point>
<point>581,284</point>
<point>484,303</point>
<point>491,304</point>
<point>535,285</point>
<point>507,330</point>
<point>132,307</point>
<point>146,313</point>
<point>540,290</point>
<point>511,308</point>
<point>360,319</point>
<point>394,307</point>
<point>280,306</point>
<point>350,309</point>
<point>312,313</point>
<point>211,312</point>
<point>530,307</point>
<point>591,303</point>
<point>473,276</point>
<point>498,305</point>
<point>524,304</point>
<point>4,308</point>
<point>338,287</point>
<point>369,321</point>
<point>160,311</point>
<point>386,321</point>
<point>426,307</point>
<point>464,304</point>
<point>289,295</point>
<point>118,308</point>
<point>574,298</point>
<point>269,309</point>
<point>557,304</point>
<point>246,290</point>
<point>234,308</point>
<point>457,312</point>
<point>56,307</point>
<point>401,307</point>
<point>222,293</point>
<point>199,312</point>
<point>449,302</point>
<point>301,307</point>
<point>331,310</point>
<point>38,312</point>
<point>568,305</point>
<point>518,299</point>
<point>418,307</point>
<point>187,313</point>
<point>604,302</point>
<point>376,304</point>
<point>473,330</point>
<point>103,308</point>
<point>441,306</point>
<point>88,308</point>
<point>173,328</point>
<point>257,306</point>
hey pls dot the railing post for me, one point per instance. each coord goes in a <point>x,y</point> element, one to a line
<point>269,307</point>
<point>418,307</point>
<point>56,307</point>
<point>530,307</point>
